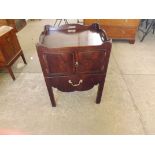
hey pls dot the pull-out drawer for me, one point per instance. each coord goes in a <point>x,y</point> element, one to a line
<point>116,32</point>
<point>75,82</point>
<point>119,22</point>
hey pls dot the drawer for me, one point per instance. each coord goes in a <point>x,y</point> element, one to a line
<point>3,22</point>
<point>90,21</point>
<point>114,22</point>
<point>119,22</point>
<point>75,82</point>
<point>115,32</point>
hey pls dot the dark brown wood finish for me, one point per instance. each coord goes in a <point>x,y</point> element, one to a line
<point>10,49</point>
<point>74,57</point>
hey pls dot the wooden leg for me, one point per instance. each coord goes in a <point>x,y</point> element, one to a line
<point>11,73</point>
<point>50,92</point>
<point>23,57</point>
<point>132,41</point>
<point>99,93</point>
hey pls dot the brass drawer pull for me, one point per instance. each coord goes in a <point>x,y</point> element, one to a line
<point>75,85</point>
<point>76,63</point>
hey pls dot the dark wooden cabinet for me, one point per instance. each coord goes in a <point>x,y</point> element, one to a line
<point>118,28</point>
<point>74,57</point>
<point>10,48</point>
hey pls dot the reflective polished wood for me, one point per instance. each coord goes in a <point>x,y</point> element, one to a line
<point>74,57</point>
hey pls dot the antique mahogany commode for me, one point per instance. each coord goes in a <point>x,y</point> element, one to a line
<point>74,57</point>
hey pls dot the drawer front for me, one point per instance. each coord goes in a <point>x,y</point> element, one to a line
<point>120,22</point>
<point>3,22</point>
<point>114,22</point>
<point>75,82</point>
<point>90,21</point>
<point>119,32</point>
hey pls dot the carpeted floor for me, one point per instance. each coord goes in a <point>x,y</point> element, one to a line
<point>127,106</point>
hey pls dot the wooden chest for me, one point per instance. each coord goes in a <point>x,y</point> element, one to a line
<point>74,58</point>
<point>118,28</point>
<point>10,49</point>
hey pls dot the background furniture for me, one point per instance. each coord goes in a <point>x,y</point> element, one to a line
<point>10,49</point>
<point>74,57</point>
<point>147,28</point>
<point>117,28</point>
<point>17,24</point>
<point>59,22</point>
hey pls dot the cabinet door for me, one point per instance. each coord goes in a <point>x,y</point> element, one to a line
<point>91,61</point>
<point>59,63</point>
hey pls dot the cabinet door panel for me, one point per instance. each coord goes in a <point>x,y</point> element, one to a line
<point>91,61</point>
<point>58,63</point>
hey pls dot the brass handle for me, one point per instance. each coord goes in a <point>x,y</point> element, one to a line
<point>75,85</point>
<point>76,63</point>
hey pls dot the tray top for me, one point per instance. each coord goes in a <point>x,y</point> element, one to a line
<point>63,37</point>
